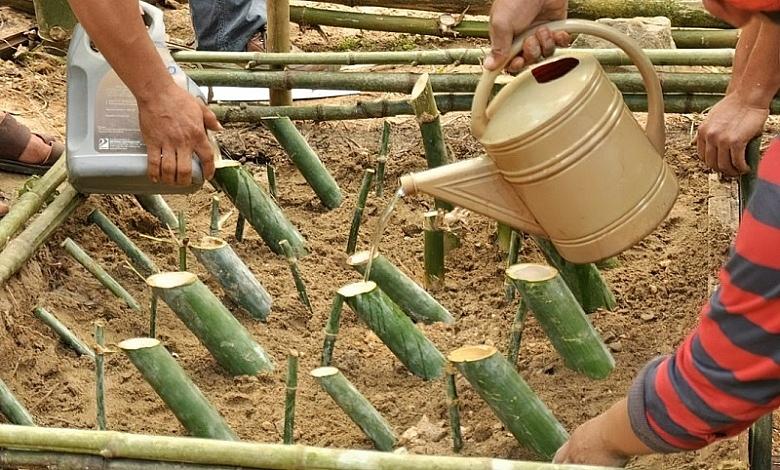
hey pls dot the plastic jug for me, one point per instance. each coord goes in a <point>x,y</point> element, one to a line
<point>105,151</point>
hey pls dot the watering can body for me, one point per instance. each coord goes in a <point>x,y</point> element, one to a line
<point>566,158</point>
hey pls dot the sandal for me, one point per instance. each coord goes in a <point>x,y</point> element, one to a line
<point>18,152</point>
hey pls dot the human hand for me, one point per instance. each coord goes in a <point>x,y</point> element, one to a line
<point>723,136</point>
<point>588,445</point>
<point>509,18</point>
<point>174,125</point>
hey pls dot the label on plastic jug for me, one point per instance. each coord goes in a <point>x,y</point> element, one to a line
<point>116,118</point>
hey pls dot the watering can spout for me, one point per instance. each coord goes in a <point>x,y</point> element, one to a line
<point>476,185</point>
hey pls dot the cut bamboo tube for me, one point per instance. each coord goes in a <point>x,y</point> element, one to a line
<point>584,280</point>
<point>31,201</point>
<point>67,336</point>
<point>214,225</point>
<point>203,314</point>
<point>156,205</point>
<point>12,409</point>
<point>306,160</point>
<point>562,319</point>
<point>21,248</point>
<point>153,316</point>
<point>300,286</point>
<point>183,241</point>
<point>117,445</point>
<point>240,222</point>
<point>401,289</point>
<point>433,253</point>
<point>394,328</point>
<point>511,258</point>
<point>357,407</point>
<point>270,172</point>
<point>234,276</point>
<point>381,160</point>
<point>257,207</point>
<point>174,387</point>
<point>100,392</point>
<point>453,407</point>
<point>510,398</point>
<point>332,330</point>
<point>760,443</point>
<point>78,254</point>
<point>138,258</point>
<point>357,216</point>
<point>289,398</point>
<point>516,335</point>
<point>278,40</point>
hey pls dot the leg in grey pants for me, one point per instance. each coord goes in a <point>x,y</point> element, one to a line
<point>226,25</point>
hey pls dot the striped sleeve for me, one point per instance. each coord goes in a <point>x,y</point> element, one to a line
<point>726,374</point>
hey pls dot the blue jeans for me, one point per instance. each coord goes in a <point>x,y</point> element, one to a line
<point>226,25</point>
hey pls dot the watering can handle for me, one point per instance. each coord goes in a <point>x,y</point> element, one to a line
<point>655,129</point>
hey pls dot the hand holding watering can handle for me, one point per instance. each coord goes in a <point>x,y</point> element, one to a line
<point>655,129</point>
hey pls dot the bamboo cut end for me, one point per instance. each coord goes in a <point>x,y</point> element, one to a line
<point>138,343</point>
<point>419,86</point>
<point>530,272</point>
<point>226,164</point>
<point>472,353</point>
<point>209,243</point>
<point>360,258</point>
<point>357,288</point>
<point>324,372</point>
<point>169,280</point>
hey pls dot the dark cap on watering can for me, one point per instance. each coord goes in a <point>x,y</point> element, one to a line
<point>565,157</point>
<point>105,151</point>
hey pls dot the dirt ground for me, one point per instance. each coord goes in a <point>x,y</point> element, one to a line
<point>660,285</point>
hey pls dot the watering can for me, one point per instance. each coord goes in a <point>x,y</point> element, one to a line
<point>566,160</point>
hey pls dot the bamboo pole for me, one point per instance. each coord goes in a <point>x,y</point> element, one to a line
<point>515,241</point>
<point>183,240</point>
<point>234,276</point>
<point>270,172</point>
<point>516,335</point>
<point>153,316</point>
<point>278,40</point>
<point>453,407</point>
<point>357,216</point>
<point>289,398</point>
<point>67,336</point>
<point>562,319</point>
<point>760,443</point>
<point>332,330</point>
<point>174,387</point>
<point>22,248</point>
<point>214,224</point>
<point>747,181</point>
<point>203,314</point>
<point>138,258</point>
<point>503,236</point>
<point>240,222</point>
<point>63,461</point>
<point>394,328</point>
<point>156,205</point>
<point>510,398</point>
<point>433,251</point>
<point>257,207</point>
<point>12,409</point>
<point>401,289</point>
<point>117,445</point>
<point>381,160</point>
<point>357,407</point>
<point>94,268</point>
<point>100,393</point>
<point>306,160</point>
<point>31,201</point>
<point>300,286</point>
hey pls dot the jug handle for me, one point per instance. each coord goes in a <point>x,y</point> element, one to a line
<point>655,129</point>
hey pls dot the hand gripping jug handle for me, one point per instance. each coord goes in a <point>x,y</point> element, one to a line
<point>655,129</point>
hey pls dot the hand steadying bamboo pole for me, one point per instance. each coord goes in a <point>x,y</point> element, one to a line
<point>381,159</point>
<point>183,398</point>
<point>156,205</point>
<point>100,393</point>
<point>365,186</point>
<point>562,319</point>
<point>401,289</point>
<point>332,329</point>
<point>453,407</point>
<point>138,258</point>
<point>510,398</point>
<point>203,314</point>
<point>12,409</point>
<point>394,328</point>
<point>234,276</point>
<point>300,286</point>
<point>67,336</point>
<point>78,254</point>
<point>289,398</point>
<point>278,40</point>
<point>357,407</point>
<point>433,251</point>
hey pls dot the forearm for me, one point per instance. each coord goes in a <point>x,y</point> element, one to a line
<point>756,74</point>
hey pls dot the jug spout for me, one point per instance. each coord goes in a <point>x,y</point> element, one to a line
<point>476,185</point>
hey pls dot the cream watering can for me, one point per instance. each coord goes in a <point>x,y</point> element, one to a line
<point>566,158</point>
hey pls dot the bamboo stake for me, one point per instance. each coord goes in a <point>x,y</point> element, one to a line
<point>153,316</point>
<point>240,222</point>
<point>140,260</point>
<point>453,406</point>
<point>100,395</point>
<point>21,248</point>
<point>271,174</point>
<point>357,407</point>
<point>156,205</point>
<point>300,286</point>
<point>332,330</point>
<point>401,289</point>
<point>760,443</point>
<point>510,398</point>
<point>257,207</point>
<point>365,186</point>
<point>289,399</point>
<point>94,268</point>
<point>183,240</point>
<point>747,181</point>
<point>433,251</point>
<point>203,314</point>
<point>511,258</point>
<point>516,335</point>
<point>214,225</point>
<point>180,394</point>
<point>278,40</point>
<point>306,160</point>
<point>503,236</point>
<point>12,409</point>
<point>62,461</point>
<point>394,328</point>
<point>67,336</point>
<point>562,319</point>
<point>381,160</point>
<point>234,276</point>
<point>31,201</point>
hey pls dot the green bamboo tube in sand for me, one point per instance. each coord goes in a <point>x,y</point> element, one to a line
<point>453,408</point>
<point>289,397</point>
<point>381,159</point>
<point>511,399</point>
<point>13,409</point>
<point>516,332</point>
<point>394,328</point>
<point>433,251</point>
<point>562,319</point>
<point>300,286</point>
<point>407,294</point>
<point>357,216</point>
<point>67,336</point>
<point>100,377</point>
<point>203,314</point>
<point>357,407</point>
<point>156,205</point>
<point>214,223</point>
<point>234,276</point>
<point>138,258</point>
<point>332,330</point>
<point>183,240</point>
<point>171,383</point>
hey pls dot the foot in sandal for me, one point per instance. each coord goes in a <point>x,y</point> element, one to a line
<point>23,151</point>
